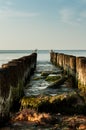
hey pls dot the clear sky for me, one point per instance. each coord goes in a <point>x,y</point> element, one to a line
<point>42,24</point>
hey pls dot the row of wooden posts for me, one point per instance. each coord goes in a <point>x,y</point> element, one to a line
<point>13,77</point>
<point>75,66</point>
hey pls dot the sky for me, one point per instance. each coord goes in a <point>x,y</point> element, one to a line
<point>42,24</point>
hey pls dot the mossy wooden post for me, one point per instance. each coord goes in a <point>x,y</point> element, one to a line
<point>20,66</point>
<point>12,77</point>
<point>15,83</point>
<point>81,73</point>
<point>5,94</point>
<point>66,63</point>
<point>72,65</point>
<point>55,58</point>
<point>63,57</point>
<point>33,62</point>
<point>51,56</point>
<point>83,66</point>
<point>72,70</point>
<point>78,70</point>
<point>60,60</point>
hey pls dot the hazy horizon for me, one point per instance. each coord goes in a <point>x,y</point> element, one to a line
<point>44,50</point>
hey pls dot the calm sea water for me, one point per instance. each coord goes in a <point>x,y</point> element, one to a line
<point>43,55</point>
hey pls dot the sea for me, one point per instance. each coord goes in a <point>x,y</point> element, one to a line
<point>43,55</point>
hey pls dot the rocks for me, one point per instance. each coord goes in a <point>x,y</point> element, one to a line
<point>49,122</point>
<point>46,73</point>
<point>63,103</point>
<point>58,82</point>
<point>53,78</point>
<point>82,127</point>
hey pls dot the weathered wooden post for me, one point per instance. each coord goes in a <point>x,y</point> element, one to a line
<point>12,78</point>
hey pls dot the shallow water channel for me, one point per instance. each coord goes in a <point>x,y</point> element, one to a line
<point>38,86</point>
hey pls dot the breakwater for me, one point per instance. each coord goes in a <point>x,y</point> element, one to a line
<point>72,65</point>
<point>13,77</point>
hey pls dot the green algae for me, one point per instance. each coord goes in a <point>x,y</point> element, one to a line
<point>52,78</point>
<point>63,103</point>
<point>82,90</point>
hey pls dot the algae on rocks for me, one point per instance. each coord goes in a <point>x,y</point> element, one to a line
<point>63,103</point>
<point>57,83</point>
<point>46,73</point>
<point>52,78</point>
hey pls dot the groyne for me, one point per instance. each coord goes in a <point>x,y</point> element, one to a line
<point>72,65</point>
<point>13,77</point>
